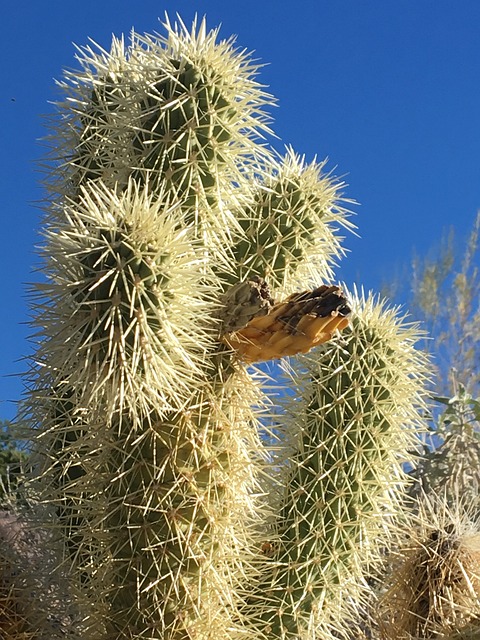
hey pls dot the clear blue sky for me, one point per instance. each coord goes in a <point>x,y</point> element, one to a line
<point>388,90</point>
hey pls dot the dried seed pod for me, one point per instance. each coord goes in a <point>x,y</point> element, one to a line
<point>296,325</point>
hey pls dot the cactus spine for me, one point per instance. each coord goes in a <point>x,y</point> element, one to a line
<point>147,426</point>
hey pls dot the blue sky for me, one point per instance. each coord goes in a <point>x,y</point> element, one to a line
<point>388,90</point>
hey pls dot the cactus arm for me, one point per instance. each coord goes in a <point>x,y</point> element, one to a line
<point>290,224</point>
<point>354,426</point>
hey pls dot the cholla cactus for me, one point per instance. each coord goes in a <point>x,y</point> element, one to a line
<point>433,586</point>
<point>175,245</point>
<point>350,430</point>
<point>433,590</point>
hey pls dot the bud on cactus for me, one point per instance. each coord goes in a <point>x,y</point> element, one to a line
<point>302,322</point>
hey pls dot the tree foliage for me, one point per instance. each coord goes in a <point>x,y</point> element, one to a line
<point>12,456</point>
<point>442,289</point>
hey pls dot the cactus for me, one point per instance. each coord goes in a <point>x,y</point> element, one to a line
<point>176,246</point>
<point>433,590</point>
<point>353,426</point>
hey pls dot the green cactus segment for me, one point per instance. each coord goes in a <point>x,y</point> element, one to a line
<point>158,512</point>
<point>356,423</point>
<point>159,516</point>
<point>289,230</point>
<point>181,113</point>
<point>178,488</point>
<point>128,295</point>
<point>181,119</point>
<point>125,312</point>
<point>103,265</point>
<point>119,314</point>
<point>185,133</point>
<point>101,142</point>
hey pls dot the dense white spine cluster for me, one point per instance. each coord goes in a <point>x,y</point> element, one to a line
<point>432,589</point>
